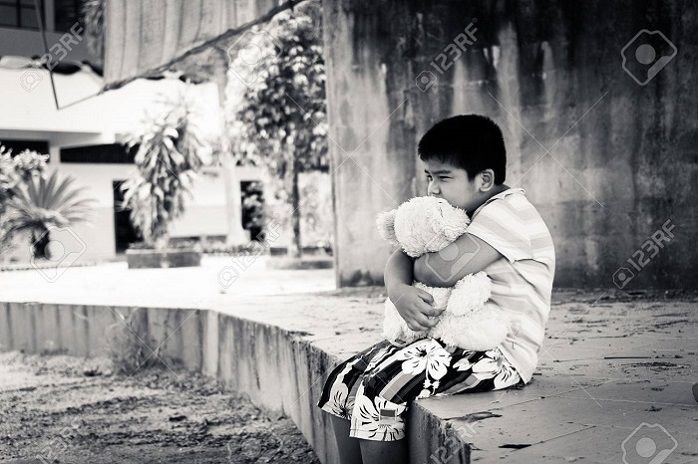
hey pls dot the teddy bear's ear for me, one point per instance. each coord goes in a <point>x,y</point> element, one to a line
<point>385,222</point>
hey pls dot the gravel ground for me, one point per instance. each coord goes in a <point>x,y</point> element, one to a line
<point>58,409</point>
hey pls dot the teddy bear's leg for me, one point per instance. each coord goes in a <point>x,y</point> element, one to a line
<point>481,329</point>
<point>438,330</point>
<point>446,329</point>
<point>467,322</point>
<point>470,292</point>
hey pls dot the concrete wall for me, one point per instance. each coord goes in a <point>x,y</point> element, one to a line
<point>607,161</point>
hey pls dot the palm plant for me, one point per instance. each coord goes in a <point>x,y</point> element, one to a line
<point>169,156</point>
<point>41,204</point>
<point>15,171</point>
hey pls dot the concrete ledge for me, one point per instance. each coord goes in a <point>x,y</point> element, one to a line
<point>281,370</point>
<point>607,367</point>
<point>306,262</point>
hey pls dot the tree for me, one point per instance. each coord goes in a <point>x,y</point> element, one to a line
<point>43,203</point>
<point>169,155</point>
<point>282,120</point>
<point>93,12</point>
<point>18,170</point>
<point>15,173</point>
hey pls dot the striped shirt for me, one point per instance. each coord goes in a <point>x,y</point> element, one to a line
<point>522,278</point>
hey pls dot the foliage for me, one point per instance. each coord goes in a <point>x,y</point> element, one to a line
<point>253,207</point>
<point>130,346</point>
<point>316,207</point>
<point>283,118</point>
<point>169,156</point>
<point>219,247</point>
<point>15,171</point>
<point>43,203</point>
<point>316,214</point>
<point>93,17</point>
<point>9,178</point>
<point>282,121</point>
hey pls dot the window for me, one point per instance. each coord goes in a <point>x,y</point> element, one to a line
<point>67,13</point>
<point>20,13</point>
<point>99,154</point>
<point>18,146</point>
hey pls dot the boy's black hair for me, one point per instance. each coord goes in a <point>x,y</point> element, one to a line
<point>467,141</point>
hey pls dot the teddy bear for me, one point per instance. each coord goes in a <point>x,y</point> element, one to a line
<point>427,225</point>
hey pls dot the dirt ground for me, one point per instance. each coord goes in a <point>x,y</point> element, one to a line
<point>58,409</point>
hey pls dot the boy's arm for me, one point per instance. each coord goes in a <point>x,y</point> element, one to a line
<point>413,304</point>
<point>468,254</point>
<point>398,272</point>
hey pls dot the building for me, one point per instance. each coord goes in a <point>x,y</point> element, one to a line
<point>82,137</point>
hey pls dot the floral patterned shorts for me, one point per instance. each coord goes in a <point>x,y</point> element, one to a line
<point>373,387</point>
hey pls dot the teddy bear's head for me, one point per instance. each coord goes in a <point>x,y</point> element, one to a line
<point>422,224</point>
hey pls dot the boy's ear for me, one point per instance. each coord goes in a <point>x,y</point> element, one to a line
<point>385,222</point>
<point>485,180</point>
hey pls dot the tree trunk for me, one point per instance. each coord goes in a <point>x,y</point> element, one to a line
<point>294,249</point>
<point>39,246</point>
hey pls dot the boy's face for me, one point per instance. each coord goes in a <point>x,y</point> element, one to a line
<point>452,184</point>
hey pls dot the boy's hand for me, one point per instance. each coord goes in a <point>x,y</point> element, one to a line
<point>414,305</point>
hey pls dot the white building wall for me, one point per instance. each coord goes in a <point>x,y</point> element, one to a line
<point>213,209</point>
<point>85,117</point>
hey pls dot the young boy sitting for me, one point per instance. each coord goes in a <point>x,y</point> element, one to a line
<point>368,394</point>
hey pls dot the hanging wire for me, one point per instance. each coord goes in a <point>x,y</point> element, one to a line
<point>40,22</point>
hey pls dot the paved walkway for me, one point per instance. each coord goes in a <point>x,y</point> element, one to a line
<point>609,366</point>
<point>187,287</point>
<point>614,382</point>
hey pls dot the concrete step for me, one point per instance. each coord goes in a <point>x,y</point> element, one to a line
<point>607,373</point>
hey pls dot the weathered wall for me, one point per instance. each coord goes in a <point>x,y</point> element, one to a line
<point>607,161</point>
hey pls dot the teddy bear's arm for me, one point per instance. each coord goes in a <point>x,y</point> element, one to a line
<point>469,254</point>
<point>385,223</point>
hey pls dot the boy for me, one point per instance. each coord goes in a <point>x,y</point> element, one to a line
<point>368,394</point>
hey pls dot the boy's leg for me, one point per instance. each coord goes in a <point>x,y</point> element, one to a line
<point>378,416</point>
<point>419,370</point>
<point>337,398</point>
<point>384,452</point>
<point>349,451</point>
